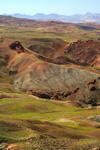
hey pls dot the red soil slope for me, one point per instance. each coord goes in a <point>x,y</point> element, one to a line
<point>35,75</point>
<point>85,51</point>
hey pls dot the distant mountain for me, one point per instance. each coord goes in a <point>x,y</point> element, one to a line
<point>77,18</point>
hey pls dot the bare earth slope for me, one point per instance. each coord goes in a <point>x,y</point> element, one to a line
<point>49,80</point>
<point>85,51</point>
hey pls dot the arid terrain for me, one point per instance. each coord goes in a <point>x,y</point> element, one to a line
<point>49,85</point>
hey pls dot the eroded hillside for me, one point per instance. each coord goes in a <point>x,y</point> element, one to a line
<point>85,51</point>
<point>45,78</point>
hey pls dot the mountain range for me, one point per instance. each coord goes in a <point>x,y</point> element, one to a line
<point>76,18</point>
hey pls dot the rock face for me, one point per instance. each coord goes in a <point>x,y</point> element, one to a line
<point>44,79</point>
<point>17,46</point>
<point>85,51</point>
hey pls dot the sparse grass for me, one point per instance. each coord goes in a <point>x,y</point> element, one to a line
<point>24,34</point>
<point>29,108</point>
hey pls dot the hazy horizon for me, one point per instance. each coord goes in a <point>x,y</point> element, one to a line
<point>48,14</point>
<point>61,7</point>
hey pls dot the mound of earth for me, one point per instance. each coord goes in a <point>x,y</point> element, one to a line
<point>48,47</point>
<point>85,51</point>
<point>52,51</point>
<point>34,75</point>
<point>61,82</point>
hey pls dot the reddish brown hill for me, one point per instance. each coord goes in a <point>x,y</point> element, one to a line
<point>85,51</point>
<point>57,26</point>
<point>12,21</point>
<point>48,47</point>
<point>88,26</point>
<point>43,78</point>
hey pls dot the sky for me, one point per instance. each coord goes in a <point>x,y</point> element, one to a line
<point>63,7</point>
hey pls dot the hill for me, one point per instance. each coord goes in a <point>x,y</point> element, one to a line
<point>45,78</point>
<point>24,22</point>
<point>85,51</point>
